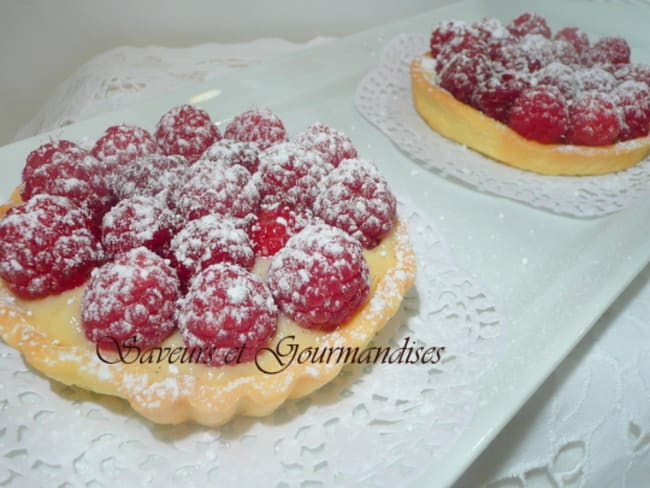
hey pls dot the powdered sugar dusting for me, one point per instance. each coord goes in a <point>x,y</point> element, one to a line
<point>214,189</point>
<point>210,240</point>
<point>258,125</point>
<point>595,119</point>
<point>187,131</point>
<point>46,246</point>
<point>320,277</point>
<point>121,144</point>
<point>134,295</point>
<point>356,198</point>
<point>559,75</point>
<point>594,78</point>
<point>46,153</point>
<point>138,221</point>
<point>290,174</point>
<point>73,174</point>
<point>229,152</point>
<point>227,308</point>
<point>149,175</point>
<point>633,99</point>
<point>333,145</point>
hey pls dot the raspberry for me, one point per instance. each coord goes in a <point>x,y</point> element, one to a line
<point>633,99</point>
<point>610,50</point>
<point>594,120</point>
<point>273,226</point>
<point>209,188</point>
<point>633,72</point>
<point>227,315</point>
<point>131,299</point>
<point>566,53</point>
<point>206,241</point>
<point>495,98</point>
<point>258,125</point>
<point>540,114</point>
<point>231,152</point>
<point>489,29</point>
<point>509,55</point>
<point>333,145</point>
<point>289,174</point>
<point>528,23</point>
<point>538,50</point>
<point>69,156</point>
<point>355,198</point>
<point>47,245</point>
<point>149,175</point>
<point>48,153</point>
<point>121,144</point>
<point>560,76</point>
<point>464,73</point>
<point>76,175</point>
<point>574,36</point>
<point>452,36</point>
<point>320,278</point>
<point>470,45</point>
<point>135,222</point>
<point>187,131</point>
<point>594,79</point>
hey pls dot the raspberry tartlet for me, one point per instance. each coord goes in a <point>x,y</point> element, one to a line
<point>186,279</point>
<point>551,104</point>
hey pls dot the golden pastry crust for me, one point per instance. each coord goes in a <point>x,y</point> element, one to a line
<point>468,126</point>
<point>48,334</point>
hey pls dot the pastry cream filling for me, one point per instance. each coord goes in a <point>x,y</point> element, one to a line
<point>165,389</point>
<point>470,127</point>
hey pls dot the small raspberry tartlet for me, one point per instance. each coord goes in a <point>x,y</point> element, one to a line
<point>551,104</point>
<point>173,270</point>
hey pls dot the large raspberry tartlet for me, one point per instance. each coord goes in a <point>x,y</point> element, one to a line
<point>182,270</point>
<point>552,104</point>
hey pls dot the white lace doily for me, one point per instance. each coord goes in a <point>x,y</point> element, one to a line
<point>379,424</point>
<point>384,97</point>
<point>123,75</point>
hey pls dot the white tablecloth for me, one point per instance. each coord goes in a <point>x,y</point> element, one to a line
<point>589,425</point>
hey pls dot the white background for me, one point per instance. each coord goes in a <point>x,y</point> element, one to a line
<point>43,42</point>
